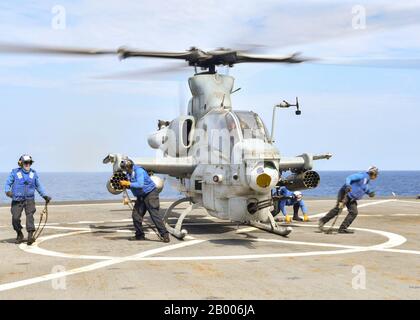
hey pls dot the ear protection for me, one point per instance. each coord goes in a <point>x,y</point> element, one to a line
<point>126,164</point>
<point>22,160</point>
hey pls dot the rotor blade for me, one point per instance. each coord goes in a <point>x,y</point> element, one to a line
<point>136,74</point>
<point>244,48</point>
<point>127,53</point>
<point>50,50</point>
<point>294,58</point>
<point>386,62</point>
<point>252,48</point>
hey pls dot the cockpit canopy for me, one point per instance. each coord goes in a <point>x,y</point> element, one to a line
<point>251,125</point>
<point>220,130</point>
<point>240,124</point>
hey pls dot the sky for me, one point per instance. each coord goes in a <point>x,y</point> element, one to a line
<point>68,119</point>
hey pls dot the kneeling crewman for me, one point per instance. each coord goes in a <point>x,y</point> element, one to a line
<point>20,186</point>
<point>283,197</point>
<point>356,186</point>
<point>142,187</point>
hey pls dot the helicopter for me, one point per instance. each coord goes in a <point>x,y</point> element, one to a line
<point>223,160</point>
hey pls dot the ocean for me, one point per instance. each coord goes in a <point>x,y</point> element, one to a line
<point>92,186</point>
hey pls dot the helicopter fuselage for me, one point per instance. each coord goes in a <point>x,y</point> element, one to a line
<point>235,165</point>
<point>222,158</point>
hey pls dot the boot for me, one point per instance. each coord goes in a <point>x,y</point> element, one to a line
<point>30,238</point>
<point>166,238</point>
<point>321,225</point>
<point>297,218</point>
<point>288,219</point>
<point>19,238</point>
<point>305,218</point>
<point>137,238</point>
<point>345,231</point>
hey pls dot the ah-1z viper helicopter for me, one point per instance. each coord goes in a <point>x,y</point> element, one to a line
<point>223,159</point>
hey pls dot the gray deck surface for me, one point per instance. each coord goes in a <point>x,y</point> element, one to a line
<point>84,254</point>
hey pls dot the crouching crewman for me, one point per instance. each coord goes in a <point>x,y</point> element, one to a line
<point>356,186</point>
<point>20,186</point>
<point>283,197</point>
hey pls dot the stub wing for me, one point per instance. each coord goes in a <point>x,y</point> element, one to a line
<point>175,167</point>
<point>304,161</point>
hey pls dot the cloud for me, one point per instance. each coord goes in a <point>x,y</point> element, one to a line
<point>318,28</point>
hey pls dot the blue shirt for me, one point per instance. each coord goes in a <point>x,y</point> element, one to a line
<point>359,183</point>
<point>141,183</point>
<point>290,200</point>
<point>283,192</point>
<point>23,184</point>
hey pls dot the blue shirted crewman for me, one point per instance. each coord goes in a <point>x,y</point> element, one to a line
<point>358,185</point>
<point>285,198</point>
<point>140,182</point>
<point>144,189</point>
<point>355,187</point>
<point>21,186</point>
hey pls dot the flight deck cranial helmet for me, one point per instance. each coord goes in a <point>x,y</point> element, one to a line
<point>127,165</point>
<point>373,172</point>
<point>298,195</point>
<point>26,158</point>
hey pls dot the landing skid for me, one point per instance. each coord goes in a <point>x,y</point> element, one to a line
<point>180,233</point>
<point>177,231</point>
<point>273,227</point>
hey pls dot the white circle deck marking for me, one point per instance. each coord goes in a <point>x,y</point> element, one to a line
<point>93,266</point>
<point>393,241</point>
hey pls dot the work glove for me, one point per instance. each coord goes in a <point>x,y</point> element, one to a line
<point>47,199</point>
<point>348,189</point>
<point>371,194</point>
<point>125,184</point>
<point>9,194</point>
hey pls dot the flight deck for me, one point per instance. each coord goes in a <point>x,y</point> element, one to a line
<point>84,253</point>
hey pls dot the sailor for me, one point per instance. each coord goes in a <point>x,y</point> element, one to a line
<point>142,187</point>
<point>356,186</point>
<point>20,186</point>
<point>284,197</point>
